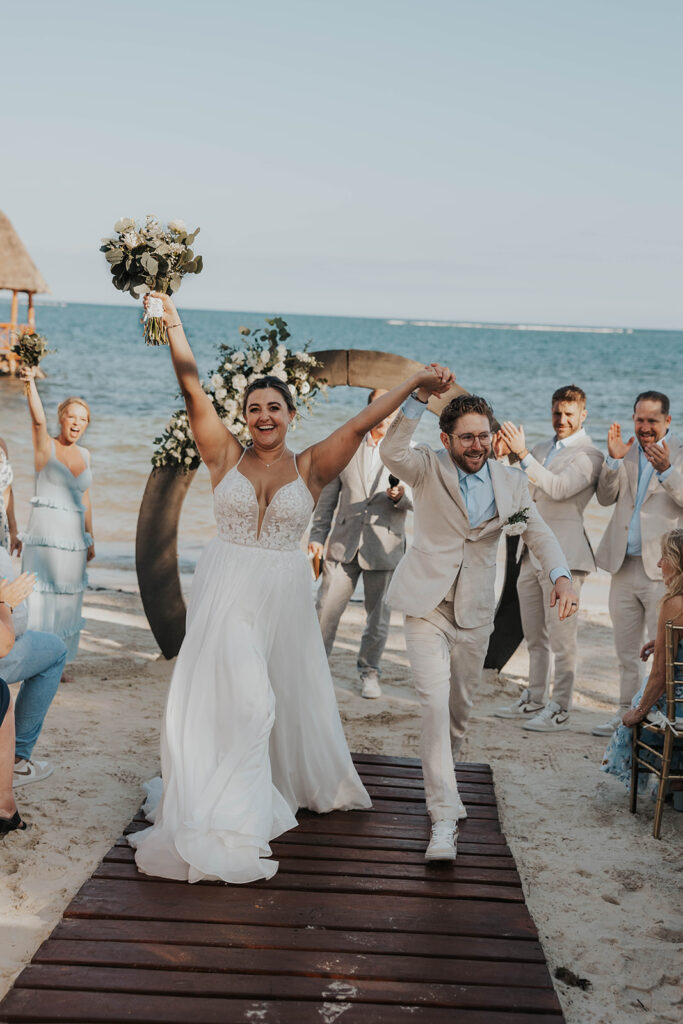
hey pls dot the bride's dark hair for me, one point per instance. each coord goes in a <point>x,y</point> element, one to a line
<point>269,382</point>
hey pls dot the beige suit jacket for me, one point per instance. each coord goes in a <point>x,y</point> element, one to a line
<point>661,511</point>
<point>446,548</point>
<point>561,492</point>
<point>368,523</point>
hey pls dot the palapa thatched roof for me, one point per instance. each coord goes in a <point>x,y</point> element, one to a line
<point>18,272</point>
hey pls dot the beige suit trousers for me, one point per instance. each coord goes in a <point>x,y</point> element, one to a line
<point>546,636</point>
<point>634,609</point>
<point>446,663</point>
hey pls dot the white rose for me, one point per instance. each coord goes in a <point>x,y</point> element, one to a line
<point>281,351</point>
<point>280,374</point>
<point>255,376</point>
<point>238,358</point>
<point>178,227</point>
<point>264,357</point>
<point>125,224</point>
<point>239,381</point>
<point>217,380</point>
<point>179,434</point>
<point>304,387</point>
<point>221,393</point>
<point>191,452</point>
<point>227,366</point>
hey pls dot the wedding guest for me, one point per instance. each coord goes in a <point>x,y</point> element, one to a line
<point>618,755</point>
<point>36,660</point>
<point>10,819</point>
<point>368,540</point>
<point>643,478</point>
<point>444,583</point>
<point>8,524</point>
<point>59,540</point>
<point>563,475</point>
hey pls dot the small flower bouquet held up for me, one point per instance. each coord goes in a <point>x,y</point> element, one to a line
<point>151,258</point>
<point>264,354</point>
<point>517,523</point>
<point>31,348</point>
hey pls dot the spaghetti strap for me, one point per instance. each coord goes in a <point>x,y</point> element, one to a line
<point>244,452</point>
<point>296,466</point>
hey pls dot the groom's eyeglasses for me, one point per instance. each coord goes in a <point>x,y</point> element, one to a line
<point>469,439</point>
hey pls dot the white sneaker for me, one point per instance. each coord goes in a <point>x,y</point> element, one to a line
<point>370,684</point>
<point>552,718</point>
<point>31,771</point>
<point>607,728</point>
<point>442,840</point>
<point>522,708</point>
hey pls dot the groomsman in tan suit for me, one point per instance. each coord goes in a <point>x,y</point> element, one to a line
<point>643,478</point>
<point>563,475</point>
<point>444,584</point>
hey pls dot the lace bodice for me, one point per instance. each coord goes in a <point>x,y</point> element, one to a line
<point>237,512</point>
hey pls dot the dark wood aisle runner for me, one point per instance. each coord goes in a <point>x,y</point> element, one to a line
<point>354,928</point>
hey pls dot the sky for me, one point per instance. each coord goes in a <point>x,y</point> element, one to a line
<point>482,160</point>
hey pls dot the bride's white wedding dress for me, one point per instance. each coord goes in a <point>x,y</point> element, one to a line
<point>251,730</point>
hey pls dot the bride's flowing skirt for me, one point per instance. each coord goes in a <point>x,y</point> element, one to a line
<point>251,729</point>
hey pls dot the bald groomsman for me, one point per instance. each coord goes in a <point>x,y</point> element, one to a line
<point>563,475</point>
<point>368,538</point>
<point>643,477</point>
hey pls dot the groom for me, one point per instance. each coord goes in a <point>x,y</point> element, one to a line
<point>444,583</point>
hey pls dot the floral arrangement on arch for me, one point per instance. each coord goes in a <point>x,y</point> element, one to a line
<point>265,354</point>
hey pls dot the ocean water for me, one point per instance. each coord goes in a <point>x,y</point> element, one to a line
<point>132,391</point>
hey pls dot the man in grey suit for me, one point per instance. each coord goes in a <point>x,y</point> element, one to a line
<point>444,584</point>
<point>563,475</point>
<point>368,539</point>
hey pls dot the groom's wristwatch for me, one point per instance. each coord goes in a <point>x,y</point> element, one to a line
<point>414,394</point>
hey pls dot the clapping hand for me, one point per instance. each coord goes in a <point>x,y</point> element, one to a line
<point>514,438</point>
<point>658,455</point>
<point>615,443</point>
<point>15,591</point>
<point>500,446</point>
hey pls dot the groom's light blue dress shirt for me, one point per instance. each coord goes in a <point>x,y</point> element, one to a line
<point>634,545</point>
<point>558,445</point>
<point>476,488</point>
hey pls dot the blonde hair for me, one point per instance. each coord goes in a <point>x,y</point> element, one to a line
<point>672,550</point>
<point>72,400</point>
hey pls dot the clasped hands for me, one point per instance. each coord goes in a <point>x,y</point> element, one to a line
<point>658,455</point>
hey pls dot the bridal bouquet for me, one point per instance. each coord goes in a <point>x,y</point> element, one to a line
<point>264,354</point>
<point>31,348</point>
<point>151,258</point>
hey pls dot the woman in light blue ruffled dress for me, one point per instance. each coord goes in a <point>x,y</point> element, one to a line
<point>58,542</point>
<point>618,755</point>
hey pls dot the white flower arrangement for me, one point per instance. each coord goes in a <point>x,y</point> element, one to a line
<point>517,523</point>
<point>264,355</point>
<point>150,258</point>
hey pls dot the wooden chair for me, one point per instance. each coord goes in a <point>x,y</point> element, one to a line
<point>657,759</point>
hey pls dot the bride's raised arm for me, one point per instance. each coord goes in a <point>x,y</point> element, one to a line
<point>217,446</point>
<point>329,457</point>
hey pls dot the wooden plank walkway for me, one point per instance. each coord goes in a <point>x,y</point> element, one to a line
<point>354,928</point>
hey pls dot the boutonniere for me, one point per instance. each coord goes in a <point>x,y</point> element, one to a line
<point>517,523</point>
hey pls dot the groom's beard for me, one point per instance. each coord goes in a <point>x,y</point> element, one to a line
<point>470,460</point>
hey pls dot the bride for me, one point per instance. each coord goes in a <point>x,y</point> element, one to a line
<point>251,730</point>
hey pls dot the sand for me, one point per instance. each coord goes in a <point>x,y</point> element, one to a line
<point>603,892</point>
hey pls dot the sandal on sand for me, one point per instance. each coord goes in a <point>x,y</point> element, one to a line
<point>11,824</point>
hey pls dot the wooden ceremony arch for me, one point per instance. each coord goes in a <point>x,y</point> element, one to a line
<point>156,543</point>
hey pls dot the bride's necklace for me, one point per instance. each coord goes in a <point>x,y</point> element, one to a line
<point>269,464</point>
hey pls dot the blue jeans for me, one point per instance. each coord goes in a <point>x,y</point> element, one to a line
<point>37,658</point>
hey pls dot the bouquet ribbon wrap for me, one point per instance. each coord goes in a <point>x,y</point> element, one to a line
<point>155,309</point>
